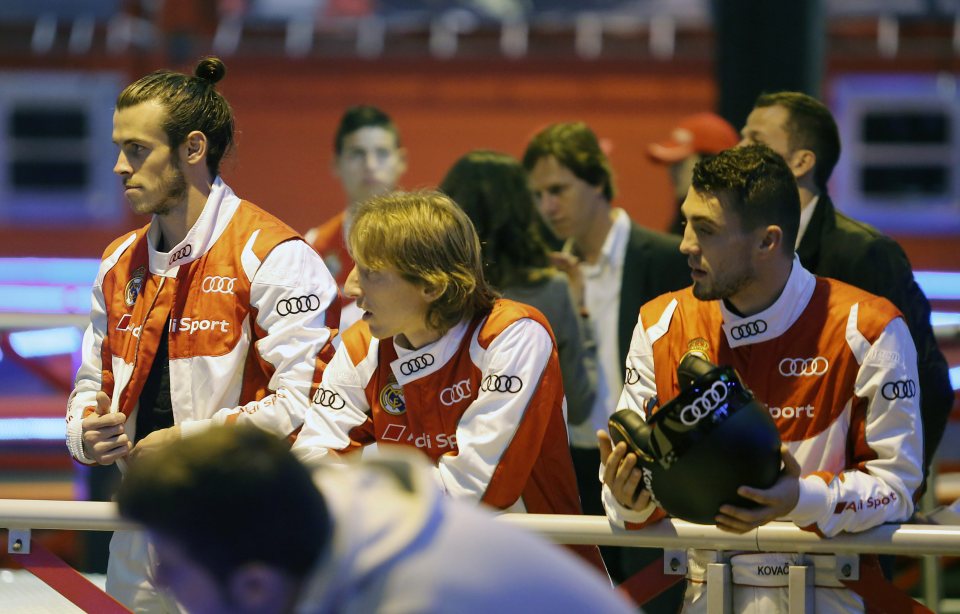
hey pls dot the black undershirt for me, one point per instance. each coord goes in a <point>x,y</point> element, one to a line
<point>156,407</point>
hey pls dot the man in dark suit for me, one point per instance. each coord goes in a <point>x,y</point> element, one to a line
<point>830,244</point>
<point>615,266</point>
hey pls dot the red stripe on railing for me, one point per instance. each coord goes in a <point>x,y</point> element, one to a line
<point>67,581</point>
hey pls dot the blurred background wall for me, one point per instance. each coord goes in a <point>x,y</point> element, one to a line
<point>463,74</point>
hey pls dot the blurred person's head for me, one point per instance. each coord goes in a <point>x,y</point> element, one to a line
<point>742,213</point>
<point>172,130</point>
<point>801,130</point>
<point>418,266</point>
<point>491,187</point>
<point>694,137</point>
<point>369,159</point>
<point>570,177</point>
<point>198,499</point>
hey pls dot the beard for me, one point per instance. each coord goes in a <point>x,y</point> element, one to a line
<point>725,286</point>
<point>172,191</point>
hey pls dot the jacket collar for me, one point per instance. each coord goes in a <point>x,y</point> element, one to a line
<point>775,319</point>
<point>823,221</point>
<point>217,212</point>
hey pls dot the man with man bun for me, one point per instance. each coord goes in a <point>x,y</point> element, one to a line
<point>213,313</point>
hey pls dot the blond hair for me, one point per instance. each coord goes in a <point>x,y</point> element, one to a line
<point>430,242</point>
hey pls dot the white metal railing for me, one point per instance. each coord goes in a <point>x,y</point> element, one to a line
<point>906,539</point>
<point>674,536</point>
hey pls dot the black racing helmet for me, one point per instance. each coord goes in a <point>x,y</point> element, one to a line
<point>700,447</point>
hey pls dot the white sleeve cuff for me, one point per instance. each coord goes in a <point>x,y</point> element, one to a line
<point>813,501</point>
<point>75,442</point>
<point>617,513</point>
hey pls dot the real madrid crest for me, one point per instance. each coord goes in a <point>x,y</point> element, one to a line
<point>134,286</point>
<point>699,348</point>
<point>391,397</point>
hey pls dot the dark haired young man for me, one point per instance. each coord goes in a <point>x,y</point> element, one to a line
<point>839,359</point>
<point>802,131</point>
<point>215,312</point>
<point>369,162</point>
<point>372,537</point>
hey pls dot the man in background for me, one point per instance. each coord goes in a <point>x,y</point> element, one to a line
<point>695,136</point>
<point>802,131</point>
<point>614,265</point>
<point>369,161</point>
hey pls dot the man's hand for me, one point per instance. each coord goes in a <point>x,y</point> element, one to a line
<point>775,502</point>
<point>104,438</point>
<point>621,474</point>
<point>570,265</point>
<point>155,441</point>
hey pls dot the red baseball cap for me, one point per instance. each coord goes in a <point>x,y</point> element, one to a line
<point>702,133</point>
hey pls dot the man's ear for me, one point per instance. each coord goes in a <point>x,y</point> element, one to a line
<point>194,148</point>
<point>255,586</point>
<point>771,240</point>
<point>802,162</point>
<point>432,292</point>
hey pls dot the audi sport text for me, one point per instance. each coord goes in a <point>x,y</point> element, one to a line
<point>123,325</point>
<point>791,412</point>
<point>868,504</point>
<point>192,325</point>
<point>395,432</point>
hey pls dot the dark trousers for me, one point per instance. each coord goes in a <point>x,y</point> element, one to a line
<point>621,562</point>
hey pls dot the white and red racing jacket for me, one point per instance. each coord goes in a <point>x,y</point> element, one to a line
<point>485,402</point>
<point>246,303</point>
<point>838,370</point>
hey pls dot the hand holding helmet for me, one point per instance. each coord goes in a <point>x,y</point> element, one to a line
<point>698,449</point>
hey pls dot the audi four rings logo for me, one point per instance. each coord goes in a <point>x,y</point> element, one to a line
<point>706,403</point>
<point>633,376</point>
<point>502,383</point>
<point>750,329</point>
<point>456,393</point>
<point>417,363</point>
<point>299,304</point>
<point>903,389</point>
<point>218,285</point>
<point>183,252</point>
<point>328,398</point>
<point>803,367</point>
